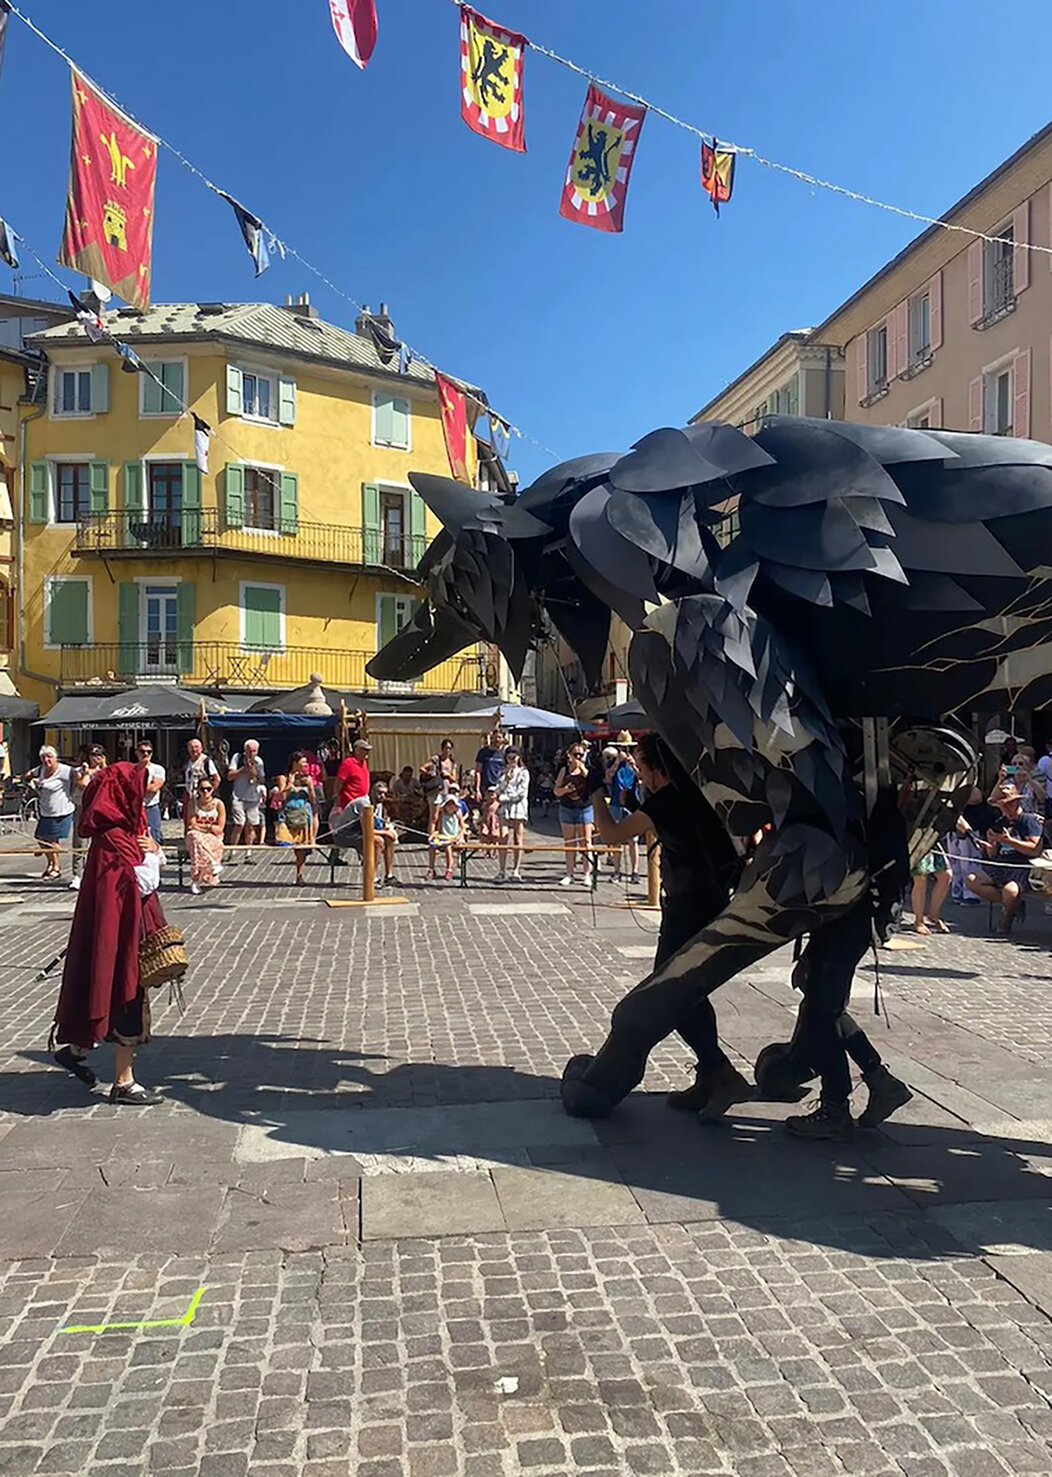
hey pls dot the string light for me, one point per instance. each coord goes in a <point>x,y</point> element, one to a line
<point>483,405</point>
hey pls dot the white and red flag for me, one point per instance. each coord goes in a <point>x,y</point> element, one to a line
<point>354,22</point>
<point>491,61</point>
<point>601,163</point>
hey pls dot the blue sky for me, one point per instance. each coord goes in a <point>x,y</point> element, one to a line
<point>586,340</point>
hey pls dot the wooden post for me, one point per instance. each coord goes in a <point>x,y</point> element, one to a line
<point>653,870</point>
<point>368,855</point>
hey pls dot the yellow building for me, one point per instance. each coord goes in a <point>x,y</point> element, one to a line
<point>291,555</point>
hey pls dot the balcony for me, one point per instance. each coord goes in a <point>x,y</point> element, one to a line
<point>197,531</point>
<point>225,664</point>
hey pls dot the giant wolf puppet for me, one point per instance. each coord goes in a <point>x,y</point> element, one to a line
<point>807,672</point>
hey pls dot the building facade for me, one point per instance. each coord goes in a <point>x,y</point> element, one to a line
<point>291,554</point>
<point>956,332</point>
<point>800,374</point>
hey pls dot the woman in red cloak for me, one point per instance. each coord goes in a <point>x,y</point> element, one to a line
<point>101,998</point>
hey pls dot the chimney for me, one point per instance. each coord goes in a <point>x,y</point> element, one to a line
<point>300,306</point>
<point>382,319</point>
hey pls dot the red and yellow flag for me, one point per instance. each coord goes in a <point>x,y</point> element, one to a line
<point>601,163</point>
<point>109,207</point>
<point>454,426</point>
<point>491,61</point>
<point>717,174</point>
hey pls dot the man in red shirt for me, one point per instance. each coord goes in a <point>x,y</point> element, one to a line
<point>353,780</point>
<point>353,775</point>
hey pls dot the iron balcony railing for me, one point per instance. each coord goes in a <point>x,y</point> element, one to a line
<point>205,530</point>
<point>225,664</point>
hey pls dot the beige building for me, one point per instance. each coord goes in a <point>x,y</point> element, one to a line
<point>957,332</point>
<point>797,375</point>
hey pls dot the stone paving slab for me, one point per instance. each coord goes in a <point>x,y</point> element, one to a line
<point>131,1221</point>
<point>480,1131</point>
<point>429,1205</point>
<point>540,1199</point>
<point>33,1224</point>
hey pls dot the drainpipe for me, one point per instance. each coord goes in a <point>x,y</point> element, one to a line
<point>829,383</point>
<point>22,505</point>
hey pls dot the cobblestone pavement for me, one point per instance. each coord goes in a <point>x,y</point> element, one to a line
<point>414,1263</point>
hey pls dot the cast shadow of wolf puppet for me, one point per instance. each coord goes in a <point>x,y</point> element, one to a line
<point>812,607</point>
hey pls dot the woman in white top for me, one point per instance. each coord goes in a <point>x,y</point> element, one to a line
<point>513,792</point>
<point>53,783</point>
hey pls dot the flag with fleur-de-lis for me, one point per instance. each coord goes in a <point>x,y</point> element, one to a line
<point>109,206</point>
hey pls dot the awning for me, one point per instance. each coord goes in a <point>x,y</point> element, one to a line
<point>255,725</point>
<point>17,707</point>
<point>137,707</point>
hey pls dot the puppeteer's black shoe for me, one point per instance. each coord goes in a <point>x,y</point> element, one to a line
<point>134,1095</point>
<point>693,1098</point>
<point>827,1121</point>
<point>726,1087</point>
<point>886,1095</point>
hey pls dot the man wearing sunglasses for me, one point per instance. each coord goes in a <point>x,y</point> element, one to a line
<point>155,776</point>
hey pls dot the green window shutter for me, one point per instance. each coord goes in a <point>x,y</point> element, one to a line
<point>234,496</point>
<point>400,423</point>
<point>39,492</point>
<point>289,521</point>
<point>286,401</point>
<point>134,503</point>
<point>262,607</point>
<point>234,399</point>
<point>384,421</point>
<point>151,392</point>
<point>191,503</point>
<point>100,388</point>
<point>128,627</point>
<point>175,391</point>
<point>370,523</point>
<point>417,527</point>
<point>68,612</point>
<point>100,488</point>
<point>388,619</point>
<point>184,594</point>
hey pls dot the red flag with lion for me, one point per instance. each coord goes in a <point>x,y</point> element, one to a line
<point>109,207</point>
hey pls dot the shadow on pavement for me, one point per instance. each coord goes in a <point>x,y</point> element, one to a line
<point>278,1098</point>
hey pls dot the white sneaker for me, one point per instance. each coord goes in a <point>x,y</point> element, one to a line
<point>195,889</point>
<point>74,885</point>
<point>565,881</point>
<point>516,876</point>
<point>586,880</point>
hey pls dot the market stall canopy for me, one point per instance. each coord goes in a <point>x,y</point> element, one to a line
<point>17,707</point>
<point>137,707</point>
<point>517,717</point>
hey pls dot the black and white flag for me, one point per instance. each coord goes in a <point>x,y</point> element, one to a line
<point>202,432</point>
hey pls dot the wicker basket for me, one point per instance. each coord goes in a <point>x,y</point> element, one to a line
<point>162,958</point>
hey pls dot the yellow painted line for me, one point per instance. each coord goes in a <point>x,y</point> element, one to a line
<point>183,1322</point>
<point>377,902</point>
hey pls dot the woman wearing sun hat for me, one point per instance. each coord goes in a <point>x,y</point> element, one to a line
<point>622,781</point>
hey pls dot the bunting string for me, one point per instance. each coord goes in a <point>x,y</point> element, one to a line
<point>284,247</point>
<point>706,136</point>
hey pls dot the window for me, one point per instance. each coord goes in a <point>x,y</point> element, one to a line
<point>393,612</point>
<point>263,617</point>
<point>67,611</point>
<point>877,359</point>
<point>165,507</point>
<point>167,397</point>
<point>728,528</point>
<point>998,401</point>
<point>392,522</point>
<point>258,397</point>
<point>998,277</point>
<point>920,326</point>
<point>758,415</point>
<point>73,392</point>
<point>786,401</point>
<point>919,422</point>
<point>160,653</point>
<point>391,421</point>
<point>262,499</point>
<point>72,483</point>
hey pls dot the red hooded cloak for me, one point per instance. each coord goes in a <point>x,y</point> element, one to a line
<point>100,980</point>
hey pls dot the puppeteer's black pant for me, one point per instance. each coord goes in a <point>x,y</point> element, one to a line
<point>697,1025</point>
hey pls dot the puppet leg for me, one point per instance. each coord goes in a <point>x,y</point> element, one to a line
<point>798,878</point>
